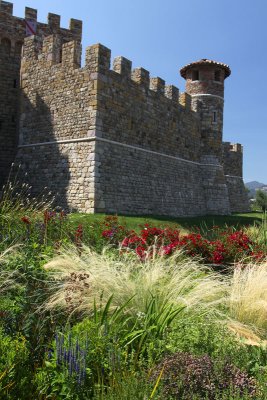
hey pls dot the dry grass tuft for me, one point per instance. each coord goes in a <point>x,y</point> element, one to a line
<point>79,281</point>
<point>248,296</point>
<point>246,334</point>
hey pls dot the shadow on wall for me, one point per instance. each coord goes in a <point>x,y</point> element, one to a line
<point>9,97</point>
<point>44,163</point>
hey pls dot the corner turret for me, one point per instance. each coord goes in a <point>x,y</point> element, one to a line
<point>205,84</point>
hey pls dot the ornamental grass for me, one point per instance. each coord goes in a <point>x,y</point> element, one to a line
<point>81,280</point>
<point>248,296</point>
<point>7,278</point>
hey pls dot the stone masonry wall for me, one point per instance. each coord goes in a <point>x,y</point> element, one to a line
<point>12,34</point>
<point>233,169</point>
<point>238,197</point>
<point>67,170</point>
<point>142,111</point>
<point>233,159</point>
<point>58,111</point>
<point>134,181</point>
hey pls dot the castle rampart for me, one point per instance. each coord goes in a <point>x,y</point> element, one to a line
<point>115,139</point>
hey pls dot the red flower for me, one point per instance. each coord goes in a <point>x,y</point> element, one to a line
<point>108,233</point>
<point>26,220</point>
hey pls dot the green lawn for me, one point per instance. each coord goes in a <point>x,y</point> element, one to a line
<point>134,222</point>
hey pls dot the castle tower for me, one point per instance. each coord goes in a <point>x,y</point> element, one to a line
<point>13,31</point>
<point>205,84</point>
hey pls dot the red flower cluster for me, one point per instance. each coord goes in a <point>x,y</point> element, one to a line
<point>229,246</point>
<point>113,231</point>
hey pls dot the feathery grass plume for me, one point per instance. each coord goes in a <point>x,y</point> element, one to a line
<point>7,278</point>
<point>88,278</point>
<point>248,296</point>
<point>246,334</point>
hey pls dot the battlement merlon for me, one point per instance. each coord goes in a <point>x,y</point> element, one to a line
<point>233,147</point>
<point>30,13</point>
<point>97,59</point>
<point>6,7</point>
<point>141,77</point>
<point>122,66</point>
<point>185,101</point>
<point>172,93</point>
<point>72,54</point>
<point>51,50</point>
<point>157,85</point>
<point>237,147</point>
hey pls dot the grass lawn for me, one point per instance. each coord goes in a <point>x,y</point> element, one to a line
<point>185,224</point>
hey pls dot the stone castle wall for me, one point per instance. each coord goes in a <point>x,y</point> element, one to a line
<point>233,169</point>
<point>144,111</point>
<point>58,114</point>
<point>116,140</point>
<point>12,34</point>
<point>149,146</point>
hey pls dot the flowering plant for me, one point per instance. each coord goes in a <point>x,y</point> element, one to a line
<point>227,247</point>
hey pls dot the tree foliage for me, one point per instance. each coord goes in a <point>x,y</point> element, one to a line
<point>261,199</point>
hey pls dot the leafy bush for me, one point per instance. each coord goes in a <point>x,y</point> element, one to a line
<point>227,247</point>
<point>14,368</point>
<point>261,200</point>
<point>82,360</point>
<point>185,375</point>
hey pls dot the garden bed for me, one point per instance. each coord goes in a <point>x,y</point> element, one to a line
<point>107,307</point>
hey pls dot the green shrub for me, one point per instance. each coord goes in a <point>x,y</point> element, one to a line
<point>185,375</point>
<point>14,368</point>
<point>79,361</point>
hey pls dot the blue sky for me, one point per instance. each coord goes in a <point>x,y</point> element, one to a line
<point>162,36</point>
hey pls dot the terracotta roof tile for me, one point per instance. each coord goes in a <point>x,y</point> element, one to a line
<point>205,61</point>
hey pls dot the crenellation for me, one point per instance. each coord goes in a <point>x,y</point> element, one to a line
<point>30,14</point>
<point>122,66</point>
<point>172,93</point>
<point>53,21</point>
<point>157,85</point>
<point>6,7</point>
<point>141,77</point>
